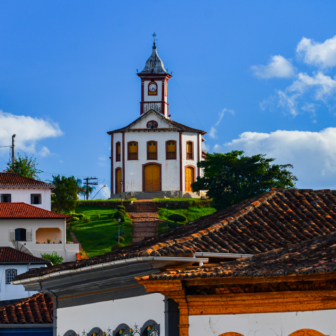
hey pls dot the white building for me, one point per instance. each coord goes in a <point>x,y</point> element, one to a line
<point>38,230</point>
<point>16,188</point>
<point>13,263</point>
<point>154,154</point>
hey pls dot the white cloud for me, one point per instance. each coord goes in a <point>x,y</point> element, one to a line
<point>278,67</point>
<point>213,130</point>
<point>313,154</point>
<point>320,87</point>
<point>28,131</point>
<point>318,54</point>
<point>44,151</point>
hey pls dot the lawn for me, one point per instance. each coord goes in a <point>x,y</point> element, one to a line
<point>191,214</point>
<point>96,236</point>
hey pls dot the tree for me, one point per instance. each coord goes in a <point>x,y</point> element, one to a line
<point>232,177</point>
<point>24,166</point>
<point>53,257</point>
<point>65,194</point>
<point>84,189</point>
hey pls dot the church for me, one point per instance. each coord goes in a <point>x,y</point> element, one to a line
<point>155,156</point>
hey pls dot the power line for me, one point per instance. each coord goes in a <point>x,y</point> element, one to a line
<point>87,182</point>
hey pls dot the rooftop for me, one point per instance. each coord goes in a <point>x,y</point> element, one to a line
<point>24,210</point>
<point>11,255</point>
<point>12,180</point>
<point>35,309</point>
<point>266,222</point>
<point>309,257</point>
<point>154,64</point>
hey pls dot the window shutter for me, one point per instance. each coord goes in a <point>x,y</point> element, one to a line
<point>11,235</point>
<point>29,236</point>
<point>31,199</point>
<point>10,198</point>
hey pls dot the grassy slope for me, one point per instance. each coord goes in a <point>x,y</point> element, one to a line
<point>96,236</point>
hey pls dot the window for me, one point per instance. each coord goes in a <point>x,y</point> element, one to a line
<point>133,150</point>
<point>20,234</point>
<point>6,198</point>
<point>118,151</point>
<point>190,154</point>
<point>151,150</point>
<point>170,150</point>
<point>152,124</point>
<point>10,274</point>
<point>35,199</point>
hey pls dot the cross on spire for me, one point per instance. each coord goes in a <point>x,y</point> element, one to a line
<point>154,38</point>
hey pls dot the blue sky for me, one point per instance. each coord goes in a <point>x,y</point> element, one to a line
<point>256,75</point>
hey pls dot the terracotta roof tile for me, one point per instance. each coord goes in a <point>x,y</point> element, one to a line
<point>312,256</point>
<point>11,255</point>
<point>24,210</point>
<point>35,309</point>
<point>11,180</point>
<point>265,222</point>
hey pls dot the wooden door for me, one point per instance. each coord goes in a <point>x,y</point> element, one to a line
<point>190,178</point>
<point>152,178</point>
<point>118,180</point>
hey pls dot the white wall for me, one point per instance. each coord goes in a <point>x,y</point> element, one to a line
<point>267,324</point>
<point>148,97</point>
<point>23,195</point>
<point>67,251</point>
<point>110,314</point>
<point>12,292</point>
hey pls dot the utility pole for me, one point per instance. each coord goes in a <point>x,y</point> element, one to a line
<point>88,182</point>
<point>13,152</point>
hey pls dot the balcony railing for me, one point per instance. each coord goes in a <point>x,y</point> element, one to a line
<point>132,156</point>
<point>151,156</point>
<point>117,157</point>
<point>189,156</point>
<point>171,155</point>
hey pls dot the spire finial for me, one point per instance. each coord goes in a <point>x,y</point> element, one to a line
<point>154,46</point>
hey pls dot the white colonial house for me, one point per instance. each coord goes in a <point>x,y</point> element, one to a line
<point>154,155</point>
<point>12,263</point>
<point>35,230</point>
<point>16,188</point>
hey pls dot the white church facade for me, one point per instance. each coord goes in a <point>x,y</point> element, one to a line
<point>154,155</point>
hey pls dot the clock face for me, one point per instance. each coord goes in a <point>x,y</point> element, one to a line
<point>152,87</point>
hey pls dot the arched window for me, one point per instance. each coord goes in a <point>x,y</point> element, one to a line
<point>306,332</point>
<point>151,150</point>
<point>118,151</point>
<point>123,330</point>
<point>152,124</point>
<point>133,150</point>
<point>150,328</point>
<point>170,150</point>
<point>10,274</point>
<point>190,150</point>
<point>20,234</point>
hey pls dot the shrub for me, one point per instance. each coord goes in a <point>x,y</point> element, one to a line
<point>120,215</point>
<point>122,239</point>
<point>177,218</point>
<point>53,257</point>
<point>115,235</point>
<point>117,246</point>
<point>75,219</point>
<point>87,220</point>
<point>121,207</point>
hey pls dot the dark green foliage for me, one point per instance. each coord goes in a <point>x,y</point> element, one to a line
<point>115,235</point>
<point>75,219</point>
<point>117,246</point>
<point>177,218</point>
<point>65,194</point>
<point>121,207</point>
<point>232,177</point>
<point>53,257</point>
<point>120,215</point>
<point>24,166</point>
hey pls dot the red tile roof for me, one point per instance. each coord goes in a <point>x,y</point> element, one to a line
<point>11,180</point>
<point>35,309</point>
<point>309,257</point>
<point>24,210</point>
<point>11,255</point>
<point>273,220</point>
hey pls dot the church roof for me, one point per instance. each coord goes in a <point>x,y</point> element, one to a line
<point>154,64</point>
<point>266,222</point>
<point>176,126</point>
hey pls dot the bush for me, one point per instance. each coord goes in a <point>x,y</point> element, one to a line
<point>53,257</point>
<point>115,235</point>
<point>122,239</point>
<point>75,219</point>
<point>121,207</point>
<point>87,220</point>
<point>120,215</point>
<point>117,246</point>
<point>177,218</point>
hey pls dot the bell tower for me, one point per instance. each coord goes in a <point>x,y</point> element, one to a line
<point>154,85</point>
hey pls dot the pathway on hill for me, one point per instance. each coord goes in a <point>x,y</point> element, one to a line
<point>145,219</point>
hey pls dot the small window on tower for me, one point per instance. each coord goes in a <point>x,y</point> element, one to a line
<point>152,124</point>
